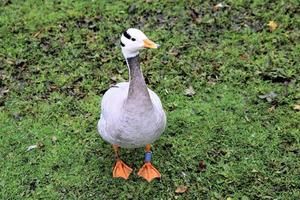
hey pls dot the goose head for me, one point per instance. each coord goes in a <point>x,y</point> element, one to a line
<point>132,40</point>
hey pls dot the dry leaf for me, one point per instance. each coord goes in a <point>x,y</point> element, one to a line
<point>218,6</point>
<point>181,189</point>
<point>244,57</point>
<point>37,33</point>
<point>113,78</point>
<point>9,61</point>
<point>190,91</point>
<point>202,166</point>
<point>271,109</point>
<point>31,147</point>
<point>272,25</point>
<point>53,87</point>
<point>3,91</point>
<point>54,139</point>
<point>297,107</point>
<point>40,145</point>
<point>269,96</point>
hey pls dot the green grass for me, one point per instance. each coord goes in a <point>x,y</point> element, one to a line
<point>57,58</point>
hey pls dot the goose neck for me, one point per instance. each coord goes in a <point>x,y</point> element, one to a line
<point>138,94</point>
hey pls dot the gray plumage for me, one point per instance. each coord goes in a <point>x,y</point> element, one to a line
<point>131,114</point>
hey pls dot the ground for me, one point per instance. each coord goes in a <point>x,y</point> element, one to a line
<point>228,82</point>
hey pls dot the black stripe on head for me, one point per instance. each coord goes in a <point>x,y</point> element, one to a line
<point>123,45</point>
<point>127,35</point>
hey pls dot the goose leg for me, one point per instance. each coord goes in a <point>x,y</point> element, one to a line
<point>121,169</point>
<point>148,172</point>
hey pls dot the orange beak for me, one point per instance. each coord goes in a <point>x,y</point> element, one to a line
<point>149,44</point>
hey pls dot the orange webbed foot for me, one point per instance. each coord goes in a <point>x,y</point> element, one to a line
<point>149,172</point>
<point>121,170</point>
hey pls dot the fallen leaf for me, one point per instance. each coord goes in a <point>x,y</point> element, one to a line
<point>9,61</point>
<point>218,6</point>
<point>31,147</point>
<point>271,109</point>
<point>297,107</point>
<point>202,166</point>
<point>40,145</point>
<point>244,57</point>
<point>54,139</point>
<point>114,78</point>
<point>3,91</point>
<point>190,91</point>
<point>181,189</point>
<point>272,25</point>
<point>37,33</point>
<point>269,96</point>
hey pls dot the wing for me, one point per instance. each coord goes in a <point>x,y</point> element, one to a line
<point>155,100</point>
<point>113,98</point>
<point>159,109</point>
<point>111,104</point>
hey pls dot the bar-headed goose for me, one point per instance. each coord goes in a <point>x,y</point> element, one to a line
<point>132,115</point>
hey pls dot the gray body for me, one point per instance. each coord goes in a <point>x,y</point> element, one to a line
<point>131,114</point>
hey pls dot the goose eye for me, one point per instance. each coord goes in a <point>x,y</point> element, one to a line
<point>133,39</point>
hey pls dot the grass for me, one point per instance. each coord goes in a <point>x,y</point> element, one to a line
<point>57,58</point>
